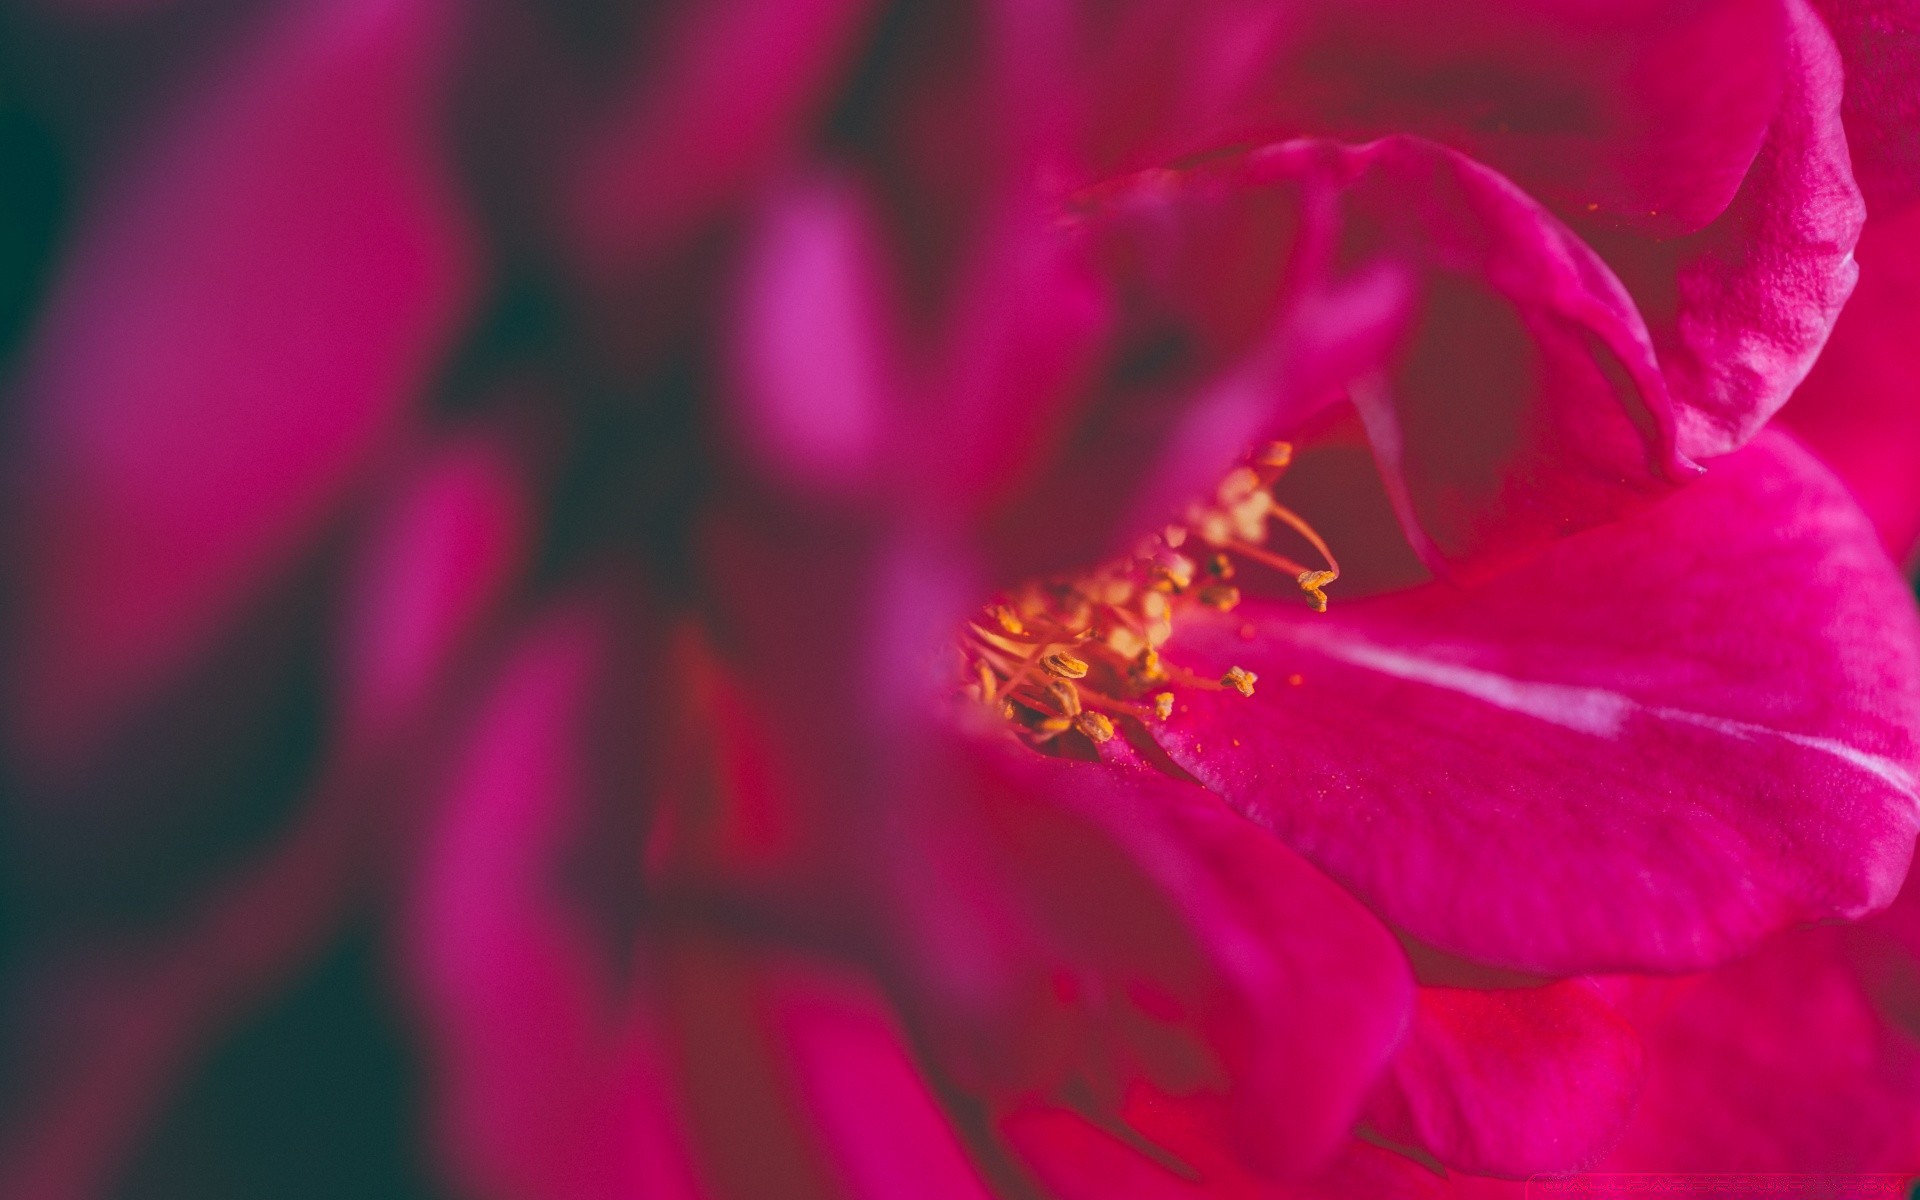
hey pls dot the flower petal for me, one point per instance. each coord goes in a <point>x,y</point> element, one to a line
<point>548,1087</point>
<point>1230,1002</point>
<point>1510,390</point>
<point>1860,407</point>
<point>719,94</point>
<point>1512,1081</point>
<point>1879,42</point>
<point>1740,309</point>
<point>1589,763</point>
<point>1779,1063</point>
<point>244,320</point>
<point>1077,1160</point>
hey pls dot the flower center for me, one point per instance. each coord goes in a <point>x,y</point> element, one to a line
<point>1071,656</point>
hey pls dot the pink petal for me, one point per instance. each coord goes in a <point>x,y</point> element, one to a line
<point>1648,113</point>
<point>1264,287</point>
<point>719,96</point>
<point>1514,1081</point>
<point>1077,1160</point>
<point>1879,42</point>
<point>1860,407</point>
<point>1740,309</point>
<point>1220,996</point>
<point>1778,1063</point>
<point>431,574</point>
<point>800,1082</point>
<point>547,1084</point>
<point>1591,762</point>
<point>246,316</point>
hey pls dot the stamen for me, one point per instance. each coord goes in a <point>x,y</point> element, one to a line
<point>1073,656</point>
<point>1095,726</point>
<point>1065,665</point>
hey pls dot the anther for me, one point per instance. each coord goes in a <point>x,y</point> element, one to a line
<point>1163,705</point>
<point>1065,665</point>
<point>1311,582</point>
<point>1240,680</point>
<point>1276,456</point>
<point>1221,596</point>
<point>1219,566</point>
<point>1095,725</point>
<point>1003,616</point>
<point>1066,696</point>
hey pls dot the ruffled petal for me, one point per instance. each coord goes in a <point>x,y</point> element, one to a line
<point>247,314</point>
<point>1514,1082</point>
<point>1740,310</point>
<point>1510,390</point>
<point>1591,762</point>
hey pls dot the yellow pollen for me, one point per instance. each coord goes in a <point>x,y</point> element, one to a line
<point>1221,596</point>
<point>1095,726</point>
<point>1275,456</point>
<point>1311,582</point>
<point>1065,665</point>
<point>1076,656</point>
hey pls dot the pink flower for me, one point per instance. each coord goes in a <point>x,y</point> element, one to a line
<point>693,493</point>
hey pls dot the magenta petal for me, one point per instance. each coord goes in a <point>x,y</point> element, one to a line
<point>1247,1001</point>
<point>1778,1063</point>
<point>1740,310</point>
<point>1879,42</point>
<point>1860,408</point>
<point>800,1082</point>
<point>246,314</point>
<point>719,96</point>
<point>546,1086</point>
<point>1590,763</point>
<point>1512,1081</point>
<point>1648,113</point>
<point>1450,304</point>
<point>430,575</point>
<point>1077,1160</point>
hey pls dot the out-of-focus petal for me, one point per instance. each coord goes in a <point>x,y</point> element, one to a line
<point>1879,42</point>
<point>431,573</point>
<point>1860,407</point>
<point>799,1081</point>
<point>1590,763</point>
<point>550,1081</point>
<point>1512,1081</point>
<point>719,96</point>
<point>247,313</point>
